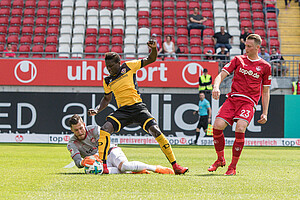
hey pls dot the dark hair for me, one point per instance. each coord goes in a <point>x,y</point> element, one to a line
<point>201,91</point>
<point>169,36</point>
<point>74,120</point>
<point>195,8</point>
<point>205,70</point>
<point>9,44</point>
<point>255,37</point>
<point>112,56</point>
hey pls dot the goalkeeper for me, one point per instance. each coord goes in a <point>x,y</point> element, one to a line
<point>84,143</point>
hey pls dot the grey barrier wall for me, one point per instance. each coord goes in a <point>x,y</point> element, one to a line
<point>47,113</point>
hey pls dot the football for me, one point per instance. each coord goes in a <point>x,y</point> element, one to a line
<point>95,168</point>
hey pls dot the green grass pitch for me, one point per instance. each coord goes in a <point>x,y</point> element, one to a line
<point>35,171</point>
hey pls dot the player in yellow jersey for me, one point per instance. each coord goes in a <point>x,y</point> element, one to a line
<point>131,109</point>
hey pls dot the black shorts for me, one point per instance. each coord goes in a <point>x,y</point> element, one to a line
<point>134,114</point>
<point>203,122</point>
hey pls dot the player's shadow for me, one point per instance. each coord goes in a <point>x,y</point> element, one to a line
<point>209,175</point>
<point>72,173</point>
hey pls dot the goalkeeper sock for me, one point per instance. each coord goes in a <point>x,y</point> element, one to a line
<point>103,144</point>
<point>237,148</point>
<point>166,148</point>
<point>219,143</point>
<point>136,166</point>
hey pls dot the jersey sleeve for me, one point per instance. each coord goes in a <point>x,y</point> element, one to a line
<point>96,132</point>
<point>134,65</point>
<point>107,90</point>
<point>75,154</point>
<point>231,66</point>
<point>267,76</point>
<point>207,104</point>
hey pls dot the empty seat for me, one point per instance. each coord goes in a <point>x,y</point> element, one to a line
<point>29,21</point>
<point>103,40</point>
<point>196,50</point>
<point>156,23</point>
<point>117,40</point>
<point>258,15</point>
<point>195,41</point>
<point>245,15</point>
<point>5,4</point>
<point>18,4</point>
<point>156,5</point>
<point>42,12</point>
<point>274,43</point>
<point>260,32</point>
<point>208,42</point>
<point>169,5</point>
<point>208,32</point>
<point>51,51</point>
<point>143,22</point>
<point>51,40</point>
<point>3,30</point>
<point>4,21</point>
<point>195,33</point>
<point>169,22</point>
<point>118,4</point>
<point>244,6</point>
<point>54,12</point>
<point>15,21</point>
<point>117,49</point>
<point>208,14</point>
<point>169,14</point>
<point>40,30</point>
<point>94,4</point>
<point>102,50</point>
<point>273,33</point>
<point>181,5</point>
<point>29,12</point>
<point>181,14</point>
<point>143,14</point>
<point>42,4</point>
<point>16,12</point>
<point>194,4</point>
<point>182,41</point>
<point>90,49</point>
<point>246,23</point>
<point>209,23</point>
<point>206,6</point>
<point>259,24</point>
<point>27,30</point>
<point>106,4</point>
<point>104,31</point>
<point>55,4</point>
<point>37,51</point>
<point>257,6</point>
<point>117,32</point>
<point>23,49</point>
<point>169,31</point>
<point>91,32</point>
<point>272,24</point>
<point>157,31</point>
<point>5,12</point>
<point>25,39</point>
<point>181,23</point>
<point>52,30</point>
<point>39,39</point>
<point>42,21</point>
<point>271,15</point>
<point>14,30</point>
<point>156,14</point>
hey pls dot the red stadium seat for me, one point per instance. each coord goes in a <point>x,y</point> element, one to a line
<point>104,31</point>
<point>28,21</point>
<point>37,50</point>
<point>93,4</point>
<point>4,12</point>
<point>53,21</point>
<point>181,23</point>
<point>274,43</point>
<point>209,23</point>
<point>117,32</point>
<point>143,14</point>
<point>259,24</point>
<point>183,50</point>
<point>90,49</point>
<point>182,41</point>
<point>42,12</point>
<point>3,30</point>
<point>117,40</point>
<point>182,32</point>
<point>206,49</point>
<point>258,15</point>
<point>260,32</point>
<point>196,50</point>
<point>39,39</point>
<point>257,6</point>
<point>169,14</point>
<point>271,15</point>
<point>245,15</point>
<point>102,50</point>
<point>51,50</point>
<point>156,5</point>
<point>15,21</point>
<point>2,39</point>
<point>195,41</point>
<point>206,6</point>
<point>117,49</point>
<point>17,12</point>
<point>208,32</point>
<point>273,33</point>
<point>207,13</point>
<point>14,30</point>
<point>263,42</point>
<point>52,30</point>
<point>156,31</point>
<point>14,39</point>
<point>195,33</point>
<point>29,12</point>
<point>27,30</point>
<point>91,32</point>
<point>30,4</point>
<point>169,31</point>
<point>43,4</point>
<point>25,39</point>
<point>143,22</point>
<point>104,40</point>
<point>18,4</point>
<point>244,6</point>
<point>156,23</point>
<point>246,23</point>
<point>5,4</point>
<point>194,4</point>
<point>42,21</point>
<point>106,4</point>
<point>156,14</point>
<point>23,49</point>
<point>118,4</point>
<point>208,42</point>
<point>169,5</point>
<point>272,24</point>
<point>4,21</point>
<point>169,22</point>
<point>40,30</point>
<point>55,4</point>
<point>91,40</point>
<point>1,48</point>
<point>54,12</point>
<point>181,5</point>
<point>181,14</point>
<point>51,40</point>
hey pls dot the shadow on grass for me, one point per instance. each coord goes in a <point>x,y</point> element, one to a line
<point>208,175</point>
<point>72,173</point>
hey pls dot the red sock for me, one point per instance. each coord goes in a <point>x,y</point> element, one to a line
<point>219,142</point>
<point>237,148</point>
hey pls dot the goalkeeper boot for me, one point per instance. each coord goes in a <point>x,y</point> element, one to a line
<point>142,172</point>
<point>163,170</point>
<point>105,170</point>
<point>218,163</point>
<point>230,172</point>
<point>179,169</point>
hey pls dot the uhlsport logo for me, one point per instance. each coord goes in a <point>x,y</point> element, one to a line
<point>249,72</point>
<point>25,71</point>
<point>189,73</point>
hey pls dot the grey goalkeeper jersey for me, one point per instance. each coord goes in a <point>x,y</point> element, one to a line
<point>86,147</point>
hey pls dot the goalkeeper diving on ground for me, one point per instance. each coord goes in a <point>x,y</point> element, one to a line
<point>84,143</point>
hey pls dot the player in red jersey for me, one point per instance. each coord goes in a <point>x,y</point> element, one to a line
<point>251,80</point>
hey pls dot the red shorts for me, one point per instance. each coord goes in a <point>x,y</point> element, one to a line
<point>235,108</point>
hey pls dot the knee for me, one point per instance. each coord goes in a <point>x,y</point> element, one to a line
<point>154,131</point>
<point>108,127</point>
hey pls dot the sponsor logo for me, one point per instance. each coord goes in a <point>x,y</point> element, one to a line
<point>258,68</point>
<point>93,140</point>
<point>19,138</point>
<point>123,71</point>
<point>189,71</point>
<point>25,71</point>
<point>249,72</point>
<point>59,139</point>
<point>270,77</point>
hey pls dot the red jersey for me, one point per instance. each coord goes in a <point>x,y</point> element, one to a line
<point>9,54</point>
<point>249,77</point>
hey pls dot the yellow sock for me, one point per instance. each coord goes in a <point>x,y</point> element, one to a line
<point>166,147</point>
<point>104,144</point>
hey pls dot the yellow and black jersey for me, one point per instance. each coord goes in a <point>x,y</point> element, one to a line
<point>124,85</point>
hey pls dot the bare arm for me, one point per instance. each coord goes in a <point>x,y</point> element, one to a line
<point>218,80</point>
<point>209,115</point>
<point>153,54</point>
<point>265,104</point>
<point>103,104</point>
